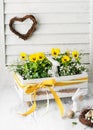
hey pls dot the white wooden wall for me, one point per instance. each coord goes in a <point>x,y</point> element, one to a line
<point>61,23</point>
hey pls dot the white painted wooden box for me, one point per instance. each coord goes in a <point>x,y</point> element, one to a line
<point>62,91</point>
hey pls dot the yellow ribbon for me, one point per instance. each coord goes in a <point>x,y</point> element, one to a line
<point>32,109</point>
<point>32,89</point>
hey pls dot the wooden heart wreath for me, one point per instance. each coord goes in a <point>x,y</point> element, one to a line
<point>29,32</point>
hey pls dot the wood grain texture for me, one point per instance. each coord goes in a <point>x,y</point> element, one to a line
<point>54,18</point>
<point>47,7</point>
<point>91,43</point>
<point>52,28</point>
<point>28,1</point>
<point>2,35</point>
<point>49,39</point>
<point>16,49</point>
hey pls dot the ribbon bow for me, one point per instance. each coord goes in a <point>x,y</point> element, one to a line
<point>33,88</point>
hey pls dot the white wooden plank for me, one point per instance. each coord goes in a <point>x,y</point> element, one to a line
<point>46,7</point>
<point>85,58</point>
<point>15,50</point>
<point>67,91</point>
<point>52,28</point>
<point>12,59</point>
<point>2,22</point>
<point>49,39</point>
<point>91,44</point>
<point>54,18</point>
<point>28,1</point>
<point>2,37</point>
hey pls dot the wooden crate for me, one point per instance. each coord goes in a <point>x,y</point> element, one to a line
<point>62,91</point>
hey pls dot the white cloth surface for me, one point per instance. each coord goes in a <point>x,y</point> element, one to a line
<point>10,120</point>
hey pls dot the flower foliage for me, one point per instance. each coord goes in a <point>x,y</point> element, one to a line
<point>32,66</point>
<point>38,65</point>
<point>70,62</point>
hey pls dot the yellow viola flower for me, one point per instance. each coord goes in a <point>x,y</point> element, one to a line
<point>65,59</point>
<point>67,52</point>
<point>55,52</point>
<point>41,56</point>
<point>23,56</point>
<point>75,54</point>
<point>33,57</point>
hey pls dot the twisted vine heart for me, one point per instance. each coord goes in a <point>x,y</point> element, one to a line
<point>29,32</point>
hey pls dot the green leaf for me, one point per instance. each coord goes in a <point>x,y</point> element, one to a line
<point>74,123</point>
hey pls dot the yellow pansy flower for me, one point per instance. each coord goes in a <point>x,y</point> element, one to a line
<point>55,52</point>
<point>65,59</point>
<point>33,57</point>
<point>23,56</point>
<point>67,52</point>
<point>40,56</point>
<point>75,54</point>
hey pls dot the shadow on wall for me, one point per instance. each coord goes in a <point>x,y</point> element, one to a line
<point>5,77</point>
